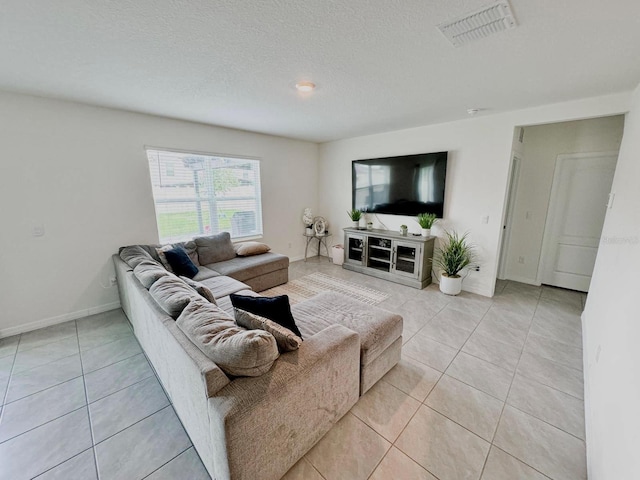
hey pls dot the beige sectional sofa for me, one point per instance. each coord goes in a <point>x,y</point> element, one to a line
<point>255,427</point>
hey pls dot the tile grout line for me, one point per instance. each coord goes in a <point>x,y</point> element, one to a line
<point>86,399</point>
<point>515,371</point>
<point>169,461</point>
<point>6,393</point>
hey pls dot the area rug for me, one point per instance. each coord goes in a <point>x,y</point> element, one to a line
<point>306,287</point>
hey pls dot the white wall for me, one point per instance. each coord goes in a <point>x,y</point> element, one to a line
<point>479,155</point>
<point>542,145</point>
<point>83,173</point>
<point>611,324</point>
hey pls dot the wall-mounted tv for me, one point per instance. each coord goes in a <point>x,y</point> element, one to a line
<point>405,185</point>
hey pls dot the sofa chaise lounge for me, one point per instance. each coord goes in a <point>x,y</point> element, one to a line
<point>257,427</point>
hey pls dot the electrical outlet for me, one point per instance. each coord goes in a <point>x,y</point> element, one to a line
<point>289,244</point>
<point>477,269</point>
<point>113,281</point>
<point>521,260</point>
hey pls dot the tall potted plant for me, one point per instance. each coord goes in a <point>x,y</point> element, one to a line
<point>426,221</point>
<point>355,215</point>
<point>453,256</point>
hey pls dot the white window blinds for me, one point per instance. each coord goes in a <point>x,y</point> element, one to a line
<point>197,194</point>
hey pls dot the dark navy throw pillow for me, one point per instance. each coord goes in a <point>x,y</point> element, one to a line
<point>273,308</point>
<point>180,262</point>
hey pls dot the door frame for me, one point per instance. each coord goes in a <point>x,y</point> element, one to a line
<point>512,191</point>
<point>553,200</point>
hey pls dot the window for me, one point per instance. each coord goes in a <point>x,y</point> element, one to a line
<point>197,194</point>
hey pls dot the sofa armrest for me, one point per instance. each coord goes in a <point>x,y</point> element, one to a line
<point>274,419</point>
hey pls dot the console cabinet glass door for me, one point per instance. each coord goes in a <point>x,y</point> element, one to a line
<point>406,259</point>
<point>355,249</point>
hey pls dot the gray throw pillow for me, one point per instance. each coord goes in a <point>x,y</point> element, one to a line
<point>133,255</point>
<point>238,352</point>
<point>200,288</point>
<point>215,248</point>
<point>172,295</point>
<point>148,272</point>
<point>285,338</point>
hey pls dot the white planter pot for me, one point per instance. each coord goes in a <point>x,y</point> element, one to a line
<point>426,232</point>
<point>356,224</point>
<point>450,285</point>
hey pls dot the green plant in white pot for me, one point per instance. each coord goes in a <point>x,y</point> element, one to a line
<point>426,221</point>
<point>355,216</point>
<point>455,254</point>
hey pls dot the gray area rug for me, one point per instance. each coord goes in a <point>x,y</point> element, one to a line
<point>314,283</point>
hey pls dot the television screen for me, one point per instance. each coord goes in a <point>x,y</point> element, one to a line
<point>405,185</point>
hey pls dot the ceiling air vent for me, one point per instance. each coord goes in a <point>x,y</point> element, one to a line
<point>481,23</point>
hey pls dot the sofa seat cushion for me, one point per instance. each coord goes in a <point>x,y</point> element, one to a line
<point>377,328</point>
<point>222,286</point>
<point>244,268</point>
<point>148,272</point>
<point>204,273</point>
<point>214,248</point>
<point>237,351</point>
<point>173,295</point>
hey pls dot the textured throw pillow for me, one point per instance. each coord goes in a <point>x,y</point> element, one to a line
<point>180,262</point>
<point>238,352</point>
<point>215,248</point>
<point>148,272</point>
<point>246,249</point>
<point>200,288</point>
<point>163,258</point>
<point>285,338</point>
<point>133,255</point>
<point>273,308</point>
<point>192,250</point>
<point>172,295</point>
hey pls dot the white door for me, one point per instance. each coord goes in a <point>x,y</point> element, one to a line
<point>579,195</point>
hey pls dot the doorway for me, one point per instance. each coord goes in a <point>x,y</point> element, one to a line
<point>560,178</point>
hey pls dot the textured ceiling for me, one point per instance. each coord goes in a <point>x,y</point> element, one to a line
<point>379,64</point>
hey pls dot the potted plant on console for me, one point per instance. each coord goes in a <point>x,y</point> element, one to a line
<point>426,221</point>
<point>452,257</point>
<point>355,215</point>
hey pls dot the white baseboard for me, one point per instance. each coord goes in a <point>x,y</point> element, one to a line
<point>47,322</point>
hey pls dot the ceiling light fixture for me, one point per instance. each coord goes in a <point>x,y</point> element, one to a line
<point>472,111</point>
<point>305,87</point>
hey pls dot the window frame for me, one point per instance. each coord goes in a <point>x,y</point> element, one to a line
<point>258,192</point>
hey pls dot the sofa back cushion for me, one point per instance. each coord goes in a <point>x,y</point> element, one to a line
<point>238,352</point>
<point>134,255</point>
<point>148,272</point>
<point>215,248</point>
<point>172,295</point>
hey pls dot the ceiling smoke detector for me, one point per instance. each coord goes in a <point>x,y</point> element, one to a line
<point>481,23</point>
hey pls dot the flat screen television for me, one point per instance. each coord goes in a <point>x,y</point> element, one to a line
<point>404,185</point>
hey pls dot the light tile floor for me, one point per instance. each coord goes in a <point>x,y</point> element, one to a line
<point>486,389</point>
